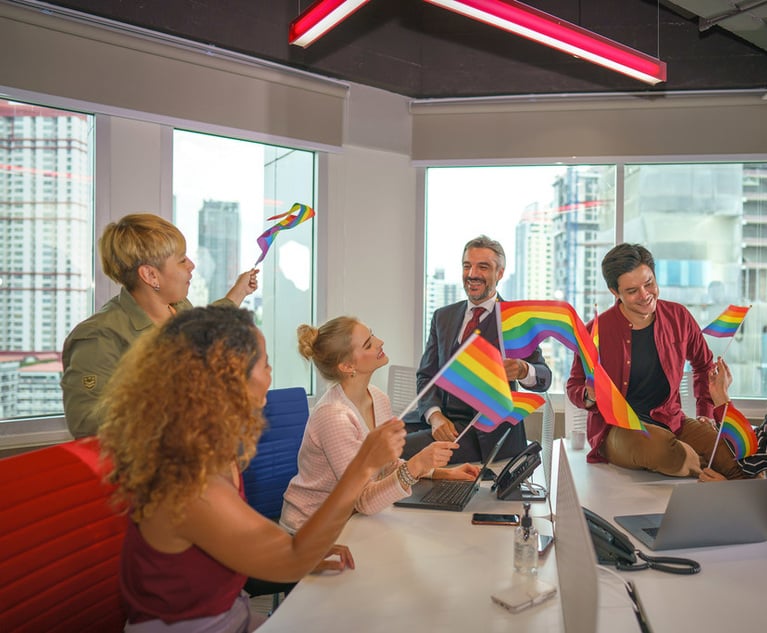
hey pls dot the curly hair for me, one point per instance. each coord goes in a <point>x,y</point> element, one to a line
<point>134,240</point>
<point>327,345</point>
<point>178,408</point>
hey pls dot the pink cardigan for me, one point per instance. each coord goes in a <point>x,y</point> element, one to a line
<point>334,433</point>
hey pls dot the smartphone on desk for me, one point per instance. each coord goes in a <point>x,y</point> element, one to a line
<point>480,518</point>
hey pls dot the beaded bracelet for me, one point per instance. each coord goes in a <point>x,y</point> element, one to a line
<point>403,474</point>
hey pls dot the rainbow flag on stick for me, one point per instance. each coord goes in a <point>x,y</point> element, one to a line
<point>298,213</point>
<point>524,324</point>
<point>476,375</point>
<point>524,404</point>
<point>738,433</point>
<point>727,323</point>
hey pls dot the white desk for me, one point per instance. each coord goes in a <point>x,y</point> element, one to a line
<point>424,570</point>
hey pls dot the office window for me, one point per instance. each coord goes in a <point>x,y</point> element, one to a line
<point>46,259</point>
<point>224,190</point>
<point>553,222</point>
<point>706,225</point>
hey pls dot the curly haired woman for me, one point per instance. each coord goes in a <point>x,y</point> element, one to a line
<point>182,418</point>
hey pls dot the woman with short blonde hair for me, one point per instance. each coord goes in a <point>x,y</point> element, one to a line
<point>146,255</point>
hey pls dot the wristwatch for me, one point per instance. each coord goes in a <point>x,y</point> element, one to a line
<point>588,402</point>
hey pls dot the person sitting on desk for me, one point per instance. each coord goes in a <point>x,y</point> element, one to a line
<point>719,381</point>
<point>484,262</point>
<point>182,419</point>
<point>644,343</point>
<point>347,353</point>
<point>146,255</point>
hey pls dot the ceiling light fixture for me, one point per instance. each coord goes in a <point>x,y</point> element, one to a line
<point>523,20</point>
<point>319,18</point>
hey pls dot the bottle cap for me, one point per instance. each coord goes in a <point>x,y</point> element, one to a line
<point>527,520</point>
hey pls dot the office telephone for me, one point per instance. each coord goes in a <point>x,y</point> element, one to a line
<point>610,546</point>
<point>614,548</point>
<point>516,470</point>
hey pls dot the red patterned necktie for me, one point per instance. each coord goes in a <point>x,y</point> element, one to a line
<point>473,323</point>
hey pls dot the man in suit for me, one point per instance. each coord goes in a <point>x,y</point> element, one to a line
<point>484,262</point>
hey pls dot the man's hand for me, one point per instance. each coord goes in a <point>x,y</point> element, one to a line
<point>330,563</point>
<point>442,429</point>
<point>516,368</point>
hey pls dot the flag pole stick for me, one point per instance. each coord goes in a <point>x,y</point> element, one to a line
<point>468,426</point>
<point>732,338</point>
<point>436,377</point>
<point>718,435</point>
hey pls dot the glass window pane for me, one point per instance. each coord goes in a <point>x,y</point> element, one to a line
<point>706,227</point>
<point>554,222</point>
<point>47,255</point>
<point>224,191</point>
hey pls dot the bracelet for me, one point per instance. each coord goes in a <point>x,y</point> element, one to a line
<point>404,476</point>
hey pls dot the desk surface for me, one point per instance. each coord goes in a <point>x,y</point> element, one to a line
<point>430,570</point>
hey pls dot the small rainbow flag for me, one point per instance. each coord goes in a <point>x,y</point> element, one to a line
<point>525,403</point>
<point>476,375</point>
<point>298,213</point>
<point>727,323</point>
<point>524,324</point>
<point>739,433</point>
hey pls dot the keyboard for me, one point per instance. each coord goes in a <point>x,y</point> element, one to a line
<point>448,492</point>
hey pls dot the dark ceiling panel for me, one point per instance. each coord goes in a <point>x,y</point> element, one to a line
<point>422,51</point>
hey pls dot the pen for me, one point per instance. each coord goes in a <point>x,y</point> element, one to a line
<point>644,626</point>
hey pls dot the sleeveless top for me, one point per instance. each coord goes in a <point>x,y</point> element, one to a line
<point>173,587</point>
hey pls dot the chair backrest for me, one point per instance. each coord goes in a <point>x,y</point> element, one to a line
<point>401,387</point>
<point>686,395</point>
<point>276,460</point>
<point>60,542</point>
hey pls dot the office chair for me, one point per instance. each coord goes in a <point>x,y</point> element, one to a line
<point>276,462</point>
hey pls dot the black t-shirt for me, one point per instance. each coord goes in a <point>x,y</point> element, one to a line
<point>648,385</point>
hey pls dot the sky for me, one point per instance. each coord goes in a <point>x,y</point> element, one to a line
<point>463,202</point>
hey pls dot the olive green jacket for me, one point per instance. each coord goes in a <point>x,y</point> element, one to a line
<point>91,353</point>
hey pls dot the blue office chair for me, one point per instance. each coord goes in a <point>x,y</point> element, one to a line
<point>276,462</point>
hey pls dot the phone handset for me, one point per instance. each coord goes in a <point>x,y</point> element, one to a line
<point>517,470</point>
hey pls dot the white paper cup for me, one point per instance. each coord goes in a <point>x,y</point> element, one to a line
<point>578,439</point>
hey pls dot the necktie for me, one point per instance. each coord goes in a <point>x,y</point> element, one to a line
<point>473,323</point>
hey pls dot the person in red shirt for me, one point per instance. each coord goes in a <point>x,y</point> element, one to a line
<point>644,343</point>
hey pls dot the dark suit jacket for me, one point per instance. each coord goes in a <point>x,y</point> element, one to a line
<point>441,345</point>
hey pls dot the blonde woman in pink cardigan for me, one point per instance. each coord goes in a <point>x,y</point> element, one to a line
<point>346,352</point>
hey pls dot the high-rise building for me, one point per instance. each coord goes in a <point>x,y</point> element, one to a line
<point>218,251</point>
<point>46,212</point>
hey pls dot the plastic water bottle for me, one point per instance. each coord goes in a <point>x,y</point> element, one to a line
<point>526,546</point>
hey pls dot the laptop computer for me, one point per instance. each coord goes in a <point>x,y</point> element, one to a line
<point>442,494</point>
<point>705,515</point>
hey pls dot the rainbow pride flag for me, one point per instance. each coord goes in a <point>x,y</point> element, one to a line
<point>297,214</point>
<point>524,324</point>
<point>525,403</point>
<point>612,405</point>
<point>739,433</point>
<point>727,323</point>
<point>475,374</point>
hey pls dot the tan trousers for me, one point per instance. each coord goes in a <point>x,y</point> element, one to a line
<point>661,451</point>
